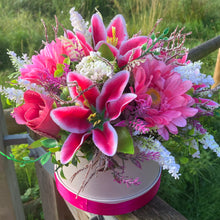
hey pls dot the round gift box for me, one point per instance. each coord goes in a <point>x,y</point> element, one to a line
<point>104,196</point>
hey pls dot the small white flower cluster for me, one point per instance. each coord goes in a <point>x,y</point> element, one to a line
<point>166,160</point>
<point>17,95</point>
<point>27,85</point>
<point>79,24</point>
<point>13,94</point>
<point>191,72</point>
<point>94,68</point>
<point>208,141</point>
<point>18,62</point>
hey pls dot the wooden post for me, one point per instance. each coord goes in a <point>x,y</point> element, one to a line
<point>216,75</point>
<point>54,207</point>
<point>204,49</point>
<point>10,202</point>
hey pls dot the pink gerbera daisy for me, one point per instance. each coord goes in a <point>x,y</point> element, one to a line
<point>162,101</point>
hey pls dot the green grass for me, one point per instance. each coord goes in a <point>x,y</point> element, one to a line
<point>196,194</point>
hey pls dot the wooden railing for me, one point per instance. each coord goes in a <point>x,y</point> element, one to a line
<point>54,207</point>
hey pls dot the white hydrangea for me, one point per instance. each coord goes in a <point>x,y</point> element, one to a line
<point>191,72</point>
<point>94,68</point>
<point>208,141</point>
<point>79,24</point>
<point>166,160</point>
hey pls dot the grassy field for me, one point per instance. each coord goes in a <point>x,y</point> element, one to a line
<point>196,195</point>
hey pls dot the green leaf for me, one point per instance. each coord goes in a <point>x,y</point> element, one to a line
<point>75,160</point>
<point>62,174</point>
<point>144,47</point>
<point>8,102</point>
<point>192,150</point>
<point>36,144</point>
<point>191,131</point>
<point>45,158</point>
<point>67,61</point>
<point>54,149</point>
<point>166,31</point>
<point>184,160</point>
<point>153,36</point>
<point>106,52</point>
<point>58,73</point>
<point>125,141</point>
<point>49,143</point>
<point>53,159</point>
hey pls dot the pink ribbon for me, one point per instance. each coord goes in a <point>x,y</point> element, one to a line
<point>104,208</point>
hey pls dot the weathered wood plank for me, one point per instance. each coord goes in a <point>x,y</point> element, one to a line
<point>54,207</point>
<point>10,203</point>
<point>204,49</point>
<point>12,126</point>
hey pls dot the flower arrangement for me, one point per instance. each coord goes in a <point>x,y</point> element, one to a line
<point>96,93</point>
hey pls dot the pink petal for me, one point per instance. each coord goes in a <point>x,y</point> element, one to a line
<point>172,128</point>
<point>164,133</point>
<point>121,31</point>
<point>19,114</point>
<point>112,89</point>
<point>71,145</point>
<point>106,140</point>
<point>72,118</point>
<point>83,82</point>
<point>129,56</point>
<point>86,47</point>
<point>33,98</point>
<point>187,111</point>
<point>113,49</point>
<point>115,108</point>
<point>132,43</point>
<point>98,29</point>
<point>177,101</point>
<point>179,121</point>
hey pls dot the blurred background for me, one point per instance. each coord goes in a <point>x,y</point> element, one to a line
<point>197,193</point>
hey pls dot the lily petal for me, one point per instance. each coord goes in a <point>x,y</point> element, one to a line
<point>118,22</point>
<point>132,43</point>
<point>86,47</point>
<point>84,83</point>
<point>71,145</point>
<point>72,118</point>
<point>112,89</point>
<point>113,49</point>
<point>106,140</point>
<point>98,29</point>
<point>115,108</point>
<point>129,56</point>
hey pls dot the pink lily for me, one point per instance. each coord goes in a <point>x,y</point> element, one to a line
<point>95,114</point>
<point>116,38</point>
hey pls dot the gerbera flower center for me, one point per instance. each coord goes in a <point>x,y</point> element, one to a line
<point>155,95</point>
<point>113,40</point>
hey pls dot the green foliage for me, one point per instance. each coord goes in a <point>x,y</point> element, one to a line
<point>125,141</point>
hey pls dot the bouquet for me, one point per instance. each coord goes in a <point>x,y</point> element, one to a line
<point>96,93</point>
